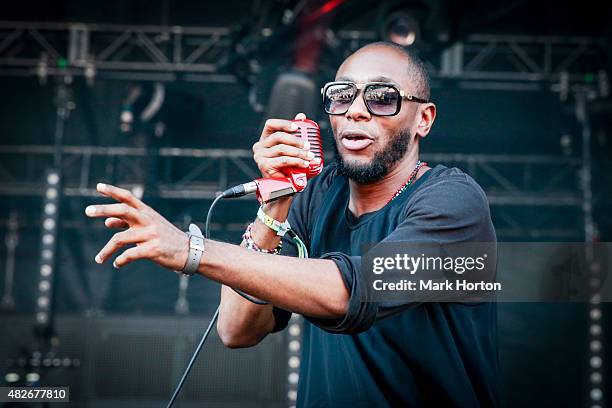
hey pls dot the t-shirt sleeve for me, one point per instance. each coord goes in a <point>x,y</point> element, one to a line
<point>453,209</point>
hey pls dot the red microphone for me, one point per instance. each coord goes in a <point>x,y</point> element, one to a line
<point>269,189</point>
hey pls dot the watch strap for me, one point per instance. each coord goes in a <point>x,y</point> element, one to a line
<point>196,249</point>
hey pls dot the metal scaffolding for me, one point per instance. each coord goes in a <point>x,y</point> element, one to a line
<point>214,170</point>
<point>169,53</point>
<point>566,65</point>
<point>509,62</point>
<point>114,51</point>
<point>200,174</point>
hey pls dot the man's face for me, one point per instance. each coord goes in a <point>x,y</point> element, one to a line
<point>367,144</point>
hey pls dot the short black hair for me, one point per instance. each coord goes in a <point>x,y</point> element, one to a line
<point>416,67</point>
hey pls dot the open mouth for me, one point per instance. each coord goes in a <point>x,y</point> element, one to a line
<point>355,141</point>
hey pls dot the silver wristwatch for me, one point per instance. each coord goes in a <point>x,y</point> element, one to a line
<point>196,249</point>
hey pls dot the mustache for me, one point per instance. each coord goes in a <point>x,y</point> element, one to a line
<point>381,163</point>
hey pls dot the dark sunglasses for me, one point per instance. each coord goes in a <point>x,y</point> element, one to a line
<point>380,98</point>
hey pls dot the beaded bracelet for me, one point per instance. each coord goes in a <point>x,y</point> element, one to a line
<point>250,243</point>
<point>281,228</point>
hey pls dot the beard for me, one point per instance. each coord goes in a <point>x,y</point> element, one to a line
<point>381,163</point>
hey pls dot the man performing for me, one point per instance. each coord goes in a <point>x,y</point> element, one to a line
<point>355,353</point>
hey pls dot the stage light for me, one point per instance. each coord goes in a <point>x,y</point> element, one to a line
<point>293,92</point>
<point>51,193</point>
<point>401,28</point>
<point>596,377</point>
<point>595,313</point>
<point>294,329</point>
<point>141,105</point>
<point>293,359</point>
<point>45,270</point>
<point>294,345</point>
<point>138,191</point>
<point>11,378</point>
<point>47,254</point>
<point>43,302</point>
<point>42,317</point>
<point>48,239</point>
<point>595,346</point>
<point>293,378</point>
<point>32,377</point>
<point>52,178</point>
<point>595,330</point>
<point>294,362</point>
<point>50,208</point>
<point>596,299</point>
<point>596,394</point>
<point>49,224</point>
<point>127,118</point>
<point>595,362</point>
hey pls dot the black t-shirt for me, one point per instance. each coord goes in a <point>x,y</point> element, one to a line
<point>395,354</point>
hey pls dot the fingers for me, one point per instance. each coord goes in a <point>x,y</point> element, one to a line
<point>119,240</point>
<point>284,138</point>
<point>277,148</point>
<point>120,194</point>
<point>277,125</point>
<point>132,254</point>
<point>122,211</point>
<point>281,150</point>
<point>286,161</point>
<point>114,222</point>
<point>286,150</point>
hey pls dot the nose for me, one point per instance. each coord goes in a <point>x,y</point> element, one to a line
<point>358,110</point>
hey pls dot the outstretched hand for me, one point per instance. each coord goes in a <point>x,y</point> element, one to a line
<point>153,236</point>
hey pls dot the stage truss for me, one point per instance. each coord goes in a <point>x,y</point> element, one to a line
<point>203,54</point>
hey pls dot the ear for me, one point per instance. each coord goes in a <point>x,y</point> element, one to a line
<point>426,116</point>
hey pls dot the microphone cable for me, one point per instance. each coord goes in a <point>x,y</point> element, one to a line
<point>302,253</point>
<point>210,325</point>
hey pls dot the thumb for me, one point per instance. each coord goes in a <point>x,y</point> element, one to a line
<point>300,116</point>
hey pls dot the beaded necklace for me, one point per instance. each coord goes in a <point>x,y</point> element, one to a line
<point>409,181</point>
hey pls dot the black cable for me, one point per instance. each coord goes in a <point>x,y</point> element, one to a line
<point>193,358</point>
<point>207,230</point>
<point>210,325</point>
<point>214,318</point>
<point>208,216</point>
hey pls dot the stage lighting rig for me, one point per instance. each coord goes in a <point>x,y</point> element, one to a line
<point>401,28</point>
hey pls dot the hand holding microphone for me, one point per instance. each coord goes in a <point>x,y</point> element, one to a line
<point>287,154</point>
<point>278,148</point>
